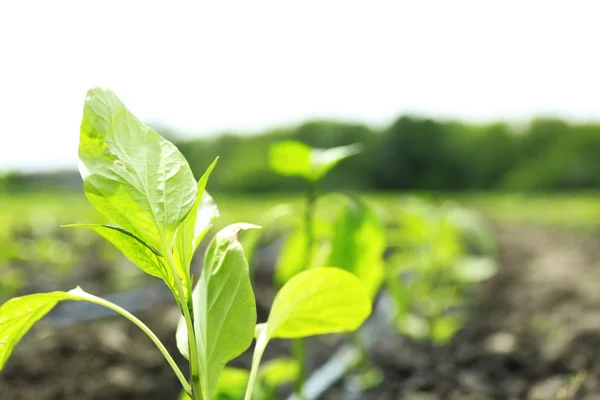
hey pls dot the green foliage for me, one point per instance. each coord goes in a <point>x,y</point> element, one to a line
<point>440,252</point>
<point>318,301</point>
<point>315,302</point>
<point>294,158</point>
<point>278,371</point>
<point>196,224</point>
<point>291,258</point>
<point>18,315</point>
<point>135,249</point>
<point>271,375</point>
<point>358,244</point>
<point>224,307</point>
<point>131,174</point>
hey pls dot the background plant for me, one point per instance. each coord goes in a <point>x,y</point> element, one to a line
<point>438,254</point>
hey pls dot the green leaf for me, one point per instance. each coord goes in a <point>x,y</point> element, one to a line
<point>278,371</point>
<point>359,243</point>
<point>224,307</point>
<point>130,173</point>
<point>290,260</point>
<point>318,301</point>
<point>291,158</point>
<point>325,159</point>
<point>19,314</point>
<point>315,302</point>
<point>135,249</point>
<point>232,383</point>
<point>195,226</point>
<point>295,158</point>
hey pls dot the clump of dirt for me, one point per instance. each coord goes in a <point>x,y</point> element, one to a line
<point>535,335</point>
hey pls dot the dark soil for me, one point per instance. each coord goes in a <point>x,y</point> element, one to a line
<point>535,335</point>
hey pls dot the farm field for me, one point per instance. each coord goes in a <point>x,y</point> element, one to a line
<point>533,330</point>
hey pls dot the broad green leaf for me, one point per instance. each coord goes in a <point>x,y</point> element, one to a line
<point>295,158</point>
<point>359,242</point>
<point>19,314</point>
<point>278,371</point>
<point>224,307</point>
<point>318,301</point>
<point>135,249</point>
<point>291,257</point>
<point>315,302</point>
<point>194,227</point>
<point>130,173</point>
<point>291,158</point>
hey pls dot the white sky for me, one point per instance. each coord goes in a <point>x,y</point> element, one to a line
<point>209,66</point>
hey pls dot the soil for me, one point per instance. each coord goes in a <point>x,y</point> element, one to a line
<point>535,336</point>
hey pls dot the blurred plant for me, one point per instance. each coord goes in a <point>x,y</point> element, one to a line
<point>353,241</point>
<point>438,254</point>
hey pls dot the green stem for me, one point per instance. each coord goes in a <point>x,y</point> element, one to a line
<point>299,352</point>
<point>79,293</point>
<point>196,386</point>
<point>259,349</point>
<point>298,348</point>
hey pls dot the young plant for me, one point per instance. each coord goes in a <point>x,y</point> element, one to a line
<point>141,181</point>
<point>355,241</point>
<point>439,253</point>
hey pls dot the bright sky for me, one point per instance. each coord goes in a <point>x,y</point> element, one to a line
<point>208,66</point>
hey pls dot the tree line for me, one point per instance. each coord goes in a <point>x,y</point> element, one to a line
<point>417,154</point>
<point>412,153</point>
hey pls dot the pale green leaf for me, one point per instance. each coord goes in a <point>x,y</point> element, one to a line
<point>19,314</point>
<point>295,158</point>
<point>323,160</point>
<point>359,243</point>
<point>194,227</point>
<point>130,173</point>
<point>135,249</point>
<point>224,307</point>
<point>291,257</point>
<point>291,158</point>
<point>318,301</point>
<point>278,371</point>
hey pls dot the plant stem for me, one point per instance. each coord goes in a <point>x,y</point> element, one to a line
<point>196,386</point>
<point>259,349</point>
<point>299,353</point>
<point>298,348</point>
<point>79,293</point>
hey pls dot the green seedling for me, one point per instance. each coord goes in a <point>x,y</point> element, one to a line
<point>142,183</point>
<point>354,241</point>
<point>439,253</point>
